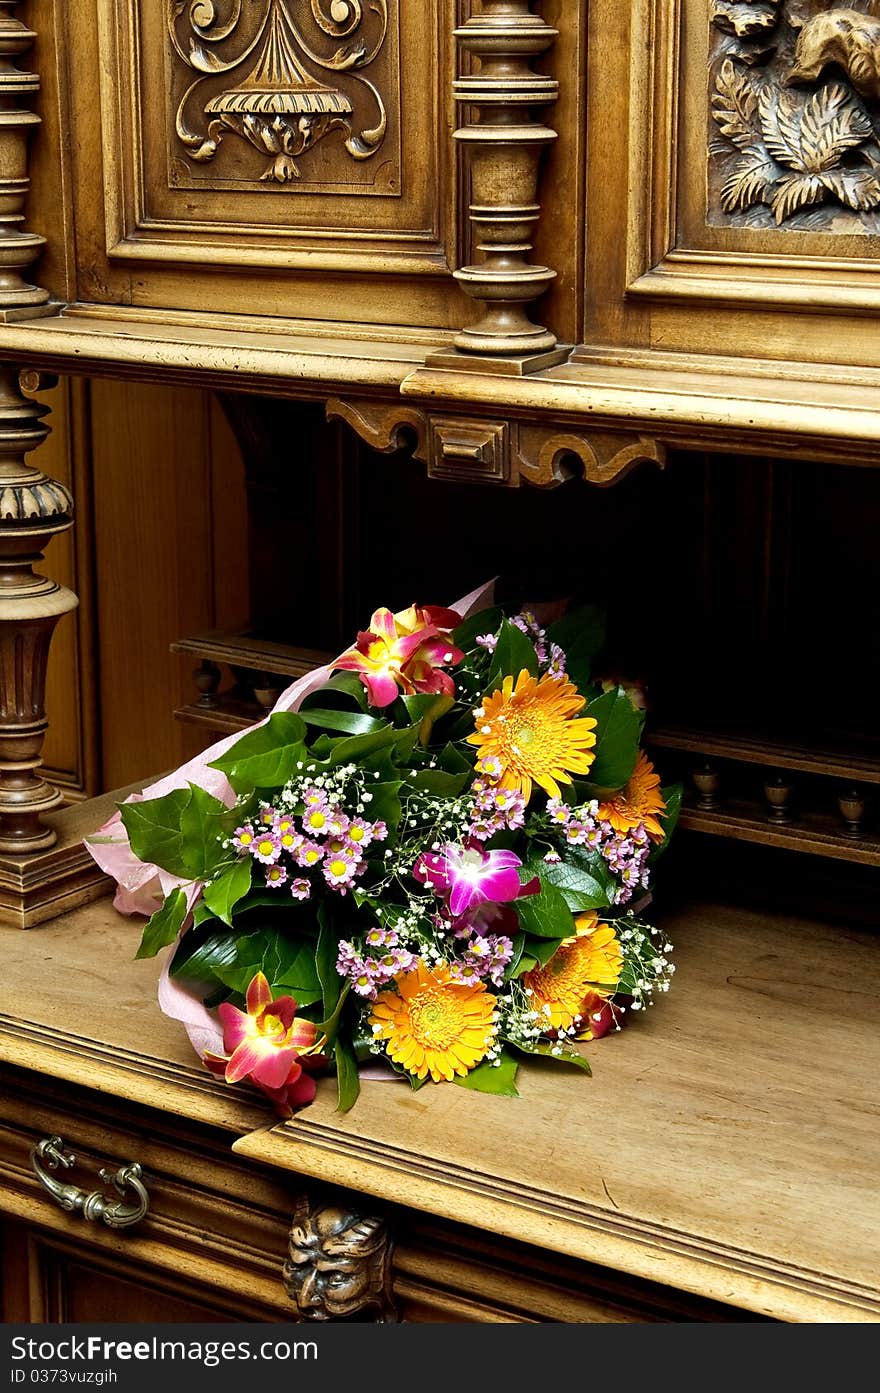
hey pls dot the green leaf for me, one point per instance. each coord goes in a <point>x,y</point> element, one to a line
<point>201,913</point>
<point>499,1079</point>
<point>232,959</point>
<point>348,722</point>
<point>164,926</point>
<point>543,949</point>
<point>513,969</point>
<point>330,1026</point>
<point>487,621</point>
<point>153,828</point>
<point>513,652</point>
<point>223,894</point>
<point>581,635</point>
<point>266,757</point>
<point>204,823</point>
<point>325,962</point>
<point>582,877</point>
<point>384,806</point>
<point>343,688</point>
<point>356,749</point>
<point>348,1084</point>
<point>545,915</point>
<point>618,729</point>
<point>545,1051</point>
<point>437,781</point>
<point>453,761</point>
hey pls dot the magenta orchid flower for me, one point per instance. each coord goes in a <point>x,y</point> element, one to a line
<point>470,876</point>
<point>268,1046</point>
<point>404,652</point>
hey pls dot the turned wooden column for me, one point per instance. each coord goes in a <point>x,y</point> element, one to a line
<point>18,248</point>
<point>33,509</point>
<point>504,145</point>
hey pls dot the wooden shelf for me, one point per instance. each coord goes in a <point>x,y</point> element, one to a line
<point>241,650</point>
<point>809,832</point>
<point>828,762</point>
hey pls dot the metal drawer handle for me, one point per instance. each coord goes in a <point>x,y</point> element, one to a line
<point>117,1213</point>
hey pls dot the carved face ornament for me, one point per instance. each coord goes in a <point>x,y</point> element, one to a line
<point>337,1264</point>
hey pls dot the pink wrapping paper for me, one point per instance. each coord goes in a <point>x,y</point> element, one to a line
<point>142,887</point>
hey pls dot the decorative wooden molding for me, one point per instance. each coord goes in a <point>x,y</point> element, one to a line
<point>505,147</point>
<point>469,451</point>
<point>383,427</point>
<point>606,456</point>
<point>277,103</point>
<point>338,1264</point>
<point>33,509</point>
<point>18,248</point>
<point>492,450</point>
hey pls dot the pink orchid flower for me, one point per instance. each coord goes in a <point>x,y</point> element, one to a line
<point>471,876</point>
<point>268,1046</point>
<point>404,652</point>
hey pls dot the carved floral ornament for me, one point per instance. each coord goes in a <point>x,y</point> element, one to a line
<point>795,102</point>
<point>273,52</point>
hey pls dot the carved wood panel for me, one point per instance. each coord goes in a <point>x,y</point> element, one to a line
<point>746,152</point>
<point>306,86</point>
<point>276,133</point>
<point>795,115</point>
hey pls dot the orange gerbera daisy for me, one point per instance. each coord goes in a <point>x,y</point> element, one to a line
<point>433,1024</point>
<point>529,731</point>
<point>639,801</point>
<point>582,970</point>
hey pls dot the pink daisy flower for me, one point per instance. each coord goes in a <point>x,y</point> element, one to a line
<point>265,848</point>
<point>309,854</point>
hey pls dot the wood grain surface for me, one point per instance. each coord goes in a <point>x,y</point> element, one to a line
<point>727,1144</point>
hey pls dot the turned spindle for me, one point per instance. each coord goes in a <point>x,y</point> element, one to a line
<point>778,794</point>
<point>33,510</point>
<point>505,146</point>
<point>707,782</point>
<point>852,810</point>
<point>18,248</point>
<point>207,679</point>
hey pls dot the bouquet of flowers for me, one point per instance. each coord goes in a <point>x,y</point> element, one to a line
<point>438,862</point>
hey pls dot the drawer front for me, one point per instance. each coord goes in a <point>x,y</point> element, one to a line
<point>227,1238</point>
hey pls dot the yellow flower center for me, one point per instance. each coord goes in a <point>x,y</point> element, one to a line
<point>435,1020</point>
<point>266,847</point>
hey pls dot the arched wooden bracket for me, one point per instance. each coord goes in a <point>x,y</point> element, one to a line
<point>338,1264</point>
<point>384,427</point>
<point>546,456</point>
<point>480,450</point>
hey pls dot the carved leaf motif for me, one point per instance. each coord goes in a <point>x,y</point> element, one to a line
<point>749,181</point>
<point>831,124</point>
<point>780,125</point>
<point>745,17</point>
<point>734,106</point>
<point>857,188</point>
<point>795,191</point>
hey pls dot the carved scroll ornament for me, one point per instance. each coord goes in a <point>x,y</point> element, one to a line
<point>795,111</point>
<point>477,450</point>
<point>338,1265</point>
<point>276,100</point>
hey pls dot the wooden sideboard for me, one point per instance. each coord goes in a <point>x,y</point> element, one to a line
<point>720,1164</point>
<point>493,252</point>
